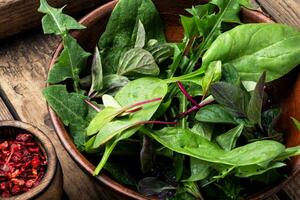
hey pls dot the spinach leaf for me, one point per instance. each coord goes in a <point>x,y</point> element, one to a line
<point>159,51</point>
<point>71,109</point>
<point>97,73</point>
<point>140,36</point>
<point>269,119</point>
<point>255,48</point>
<point>212,74</point>
<point>256,101</point>
<point>215,113</point>
<point>297,123</point>
<point>203,129</point>
<point>70,62</point>
<point>112,83</point>
<point>188,143</point>
<point>199,170</point>
<point>228,140</point>
<point>231,96</point>
<point>121,31</point>
<point>120,174</point>
<point>231,75</point>
<point>138,61</point>
<point>55,21</point>
<point>254,170</point>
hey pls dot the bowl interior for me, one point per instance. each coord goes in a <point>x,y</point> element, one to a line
<point>9,129</point>
<point>169,10</point>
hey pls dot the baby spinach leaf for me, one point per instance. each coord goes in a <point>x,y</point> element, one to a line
<point>212,74</point>
<point>297,123</point>
<point>289,152</point>
<point>215,113</point>
<point>140,36</point>
<point>255,48</point>
<point>55,21</point>
<point>203,129</point>
<point>228,140</point>
<point>256,101</point>
<point>231,96</point>
<point>70,62</point>
<point>138,61</point>
<point>199,170</point>
<point>121,31</point>
<point>112,83</point>
<point>71,109</point>
<point>120,174</point>
<point>191,144</point>
<point>159,51</point>
<point>97,73</point>
<point>253,170</point>
<point>231,75</point>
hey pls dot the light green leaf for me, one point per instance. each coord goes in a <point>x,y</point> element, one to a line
<point>253,170</point>
<point>138,61</point>
<point>212,74</point>
<point>255,48</point>
<point>228,140</point>
<point>109,101</point>
<point>199,170</point>
<point>97,73</point>
<point>215,114</point>
<point>296,122</point>
<point>140,36</point>
<point>55,21</point>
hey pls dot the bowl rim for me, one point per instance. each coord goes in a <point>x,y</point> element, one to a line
<point>86,165</point>
<point>50,154</point>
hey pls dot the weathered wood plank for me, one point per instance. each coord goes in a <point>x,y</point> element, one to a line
<point>293,189</point>
<point>4,112</point>
<point>287,11</point>
<point>19,15</point>
<point>23,72</point>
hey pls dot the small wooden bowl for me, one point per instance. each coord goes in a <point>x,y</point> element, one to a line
<point>169,10</point>
<point>51,186</point>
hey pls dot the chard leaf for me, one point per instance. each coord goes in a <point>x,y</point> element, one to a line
<point>97,73</point>
<point>140,36</point>
<point>188,143</point>
<point>231,96</point>
<point>256,48</point>
<point>121,129</point>
<point>70,62</point>
<point>138,61</point>
<point>215,114</point>
<point>297,123</point>
<point>71,109</point>
<point>228,140</point>
<point>55,21</point>
<point>256,101</point>
<point>212,74</point>
<point>121,31</point>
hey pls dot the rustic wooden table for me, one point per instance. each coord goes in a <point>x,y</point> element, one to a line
<point>24,63</point>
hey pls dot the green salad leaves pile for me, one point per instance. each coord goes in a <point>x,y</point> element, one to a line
<point>186,120</point>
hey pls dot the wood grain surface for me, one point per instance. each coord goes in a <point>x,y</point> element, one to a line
<point>19,15</point>
<point>23,70</point>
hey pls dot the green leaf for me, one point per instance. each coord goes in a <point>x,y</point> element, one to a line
<point>121,31</point>
<point>289,152</point>
<point>212,74</point>
<point>159,51</point>
<point>230,96</point>
<point>112,84</point>
<point>203,129</point>
<point>71,109</point>
<point>199,170</point>
<point>97,73</point>
<point>109,101</point>
<point>269,119</point>
<point>228,140</point>
<point>138,61</point>
<point>297,123</point>
<point>253,170</point>
<point>231,75</point>
<point>120,174</point>
<point>153,186</point>
<point>188,143</point>
<point>255,48</point>
<point>215,114</point>
<point>140,36</point>
<point>256,101</point>
<point>70,62</point>
<point>55,21</point>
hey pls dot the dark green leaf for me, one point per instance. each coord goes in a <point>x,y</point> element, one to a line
<point>138,61</point>
<point>153,186</point>
<point>121,31</point>
<point>70,62</point>
<point>140,36</point>
<point>120,174</point>
<point>256,101</point>
<point>199,170</point>
<point>230,96</point>
<point>228,140</point>
<point>146,154</point>
<point>269,120</point>
<point>97,73</point>
<point>231,75</point>
<point>55,21</point>
<point>160,51</point>
<point>255,48</point>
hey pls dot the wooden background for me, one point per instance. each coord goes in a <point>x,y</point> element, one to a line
<point>24,60</point>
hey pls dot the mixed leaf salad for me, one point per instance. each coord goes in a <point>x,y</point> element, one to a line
<point>186,120</point>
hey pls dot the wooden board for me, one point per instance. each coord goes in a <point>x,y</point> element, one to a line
<point>283,11</point>
<point>19,15</point>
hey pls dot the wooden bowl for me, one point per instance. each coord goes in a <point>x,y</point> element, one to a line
<point>169,11</point>
<point>51,186</point>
